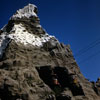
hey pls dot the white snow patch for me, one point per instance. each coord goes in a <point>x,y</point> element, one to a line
<point>20,35</point>
<point>38,26</point>
<point>27,11</point>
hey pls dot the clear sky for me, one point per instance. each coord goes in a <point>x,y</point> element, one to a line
<point>74,22</point>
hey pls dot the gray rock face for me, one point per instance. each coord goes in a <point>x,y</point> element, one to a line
<point>47,72</point>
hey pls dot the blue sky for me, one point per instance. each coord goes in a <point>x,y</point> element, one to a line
<point>74,22</point>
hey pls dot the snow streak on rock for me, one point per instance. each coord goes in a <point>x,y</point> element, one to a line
<point>20,34</point>
<point>4,40</point>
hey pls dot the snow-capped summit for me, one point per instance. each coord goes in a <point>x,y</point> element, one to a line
<point>27,32</point>
<point>28,11</point>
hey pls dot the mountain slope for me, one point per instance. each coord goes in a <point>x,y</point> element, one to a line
<point>36,66</point>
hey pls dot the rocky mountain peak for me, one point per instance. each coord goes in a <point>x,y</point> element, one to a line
<point>28,11</point>
<point>36,66</point>
<point>24,28</point>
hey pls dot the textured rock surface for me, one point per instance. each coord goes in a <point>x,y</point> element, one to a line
<point>46,72</point>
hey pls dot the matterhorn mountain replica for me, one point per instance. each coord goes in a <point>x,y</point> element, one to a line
<point>36,66</point>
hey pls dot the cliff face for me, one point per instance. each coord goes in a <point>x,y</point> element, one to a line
<point>36,66</point>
